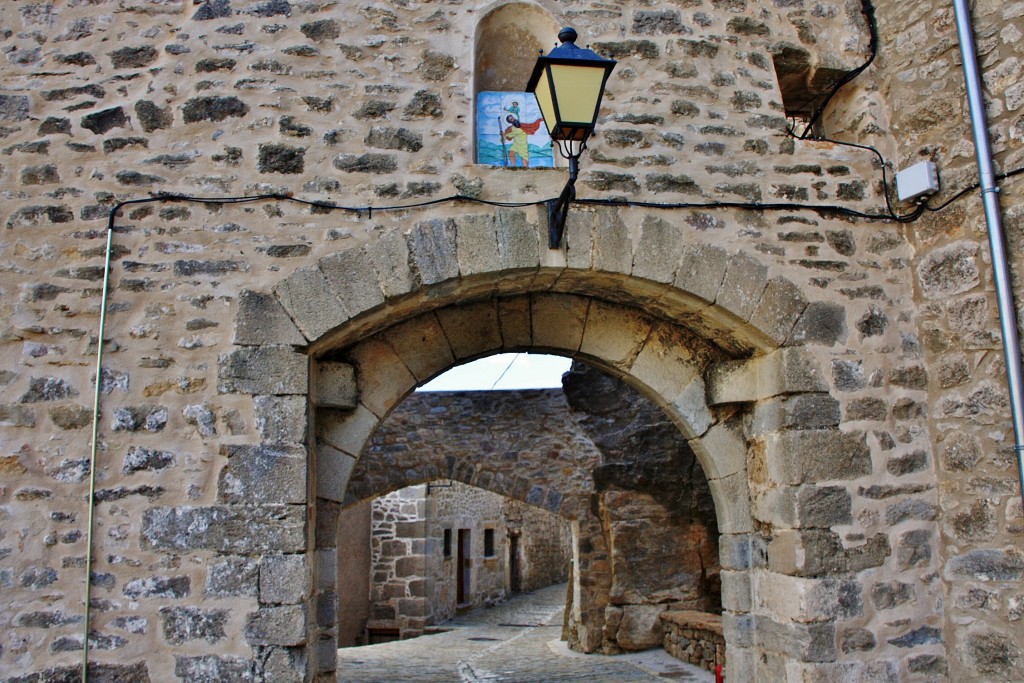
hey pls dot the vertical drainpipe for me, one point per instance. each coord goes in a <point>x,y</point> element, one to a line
<point>993,217</point>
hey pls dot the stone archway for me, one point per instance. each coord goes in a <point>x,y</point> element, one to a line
<point>705,334</point>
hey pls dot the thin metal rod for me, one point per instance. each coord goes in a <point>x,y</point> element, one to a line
<point>95,441</point>
<point>993,217</point>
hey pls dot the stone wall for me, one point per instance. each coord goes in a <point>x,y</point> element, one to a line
<point>210,484</point>
<point>515,442</point>
<point>974,564</point>
<point>399,588</point>
<point>695,637</point>
<point>545,545</point>
<point>413,584</point>
<point>655,507</point>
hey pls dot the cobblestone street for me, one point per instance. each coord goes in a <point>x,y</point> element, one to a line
<point>516,642</point>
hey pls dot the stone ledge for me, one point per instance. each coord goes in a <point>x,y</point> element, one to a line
<point>693,619</point>
<point>694,637</point>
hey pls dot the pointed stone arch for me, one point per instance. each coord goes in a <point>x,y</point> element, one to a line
<point>704,333</point>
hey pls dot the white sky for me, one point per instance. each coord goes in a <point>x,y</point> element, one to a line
<point>527,371</point>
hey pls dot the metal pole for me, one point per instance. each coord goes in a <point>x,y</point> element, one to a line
<point>993,217</point>
<point>95,441</point>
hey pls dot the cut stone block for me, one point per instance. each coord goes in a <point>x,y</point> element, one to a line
<point>334,385</point>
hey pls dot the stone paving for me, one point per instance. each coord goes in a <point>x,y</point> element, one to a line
<point>515,642</point>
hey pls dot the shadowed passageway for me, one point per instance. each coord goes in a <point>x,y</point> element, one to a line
<point>515,642</point>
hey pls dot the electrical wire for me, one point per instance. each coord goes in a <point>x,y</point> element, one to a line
<point>923,206</point>
<point>507,368</point>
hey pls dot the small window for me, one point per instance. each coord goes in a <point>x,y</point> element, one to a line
<point>488,542</point>
<point>447,543</point>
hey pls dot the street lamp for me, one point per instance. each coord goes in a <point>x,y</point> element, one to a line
<point>568,83</point>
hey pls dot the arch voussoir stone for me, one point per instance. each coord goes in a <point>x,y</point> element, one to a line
<point>389,257</point>
<point>311,302</point>
<point>614,334</point>
<point>558,321</point>
<point>345,431</point>
<point>778,310</point>
<point>514,318</point>
<point>261,320</point>
<point>660,250</point>
<point>422,345</point>
<point>670,360</point>
<point>471,330</point>
<point>351,275</point>
<point>431,246</point>
<point>381,375</point>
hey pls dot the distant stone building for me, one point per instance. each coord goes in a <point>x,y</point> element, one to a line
<point>438,549</point>
<point>835,369</point>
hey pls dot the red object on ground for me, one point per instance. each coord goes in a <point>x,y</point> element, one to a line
<point>719,676</point>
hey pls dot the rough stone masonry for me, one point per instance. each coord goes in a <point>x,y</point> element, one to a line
<point>839,380</point>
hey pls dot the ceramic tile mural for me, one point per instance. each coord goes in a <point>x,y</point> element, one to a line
<point>510,131</point>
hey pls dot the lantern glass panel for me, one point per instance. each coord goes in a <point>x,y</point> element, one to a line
<point>546,102</point>
<point>578,91</point>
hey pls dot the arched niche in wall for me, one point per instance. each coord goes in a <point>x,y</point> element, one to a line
<point>508,41</point>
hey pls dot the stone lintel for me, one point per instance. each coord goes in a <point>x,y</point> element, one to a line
<point>334,385</point>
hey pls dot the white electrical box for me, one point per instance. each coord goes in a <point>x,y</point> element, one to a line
<point>919,180</point>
